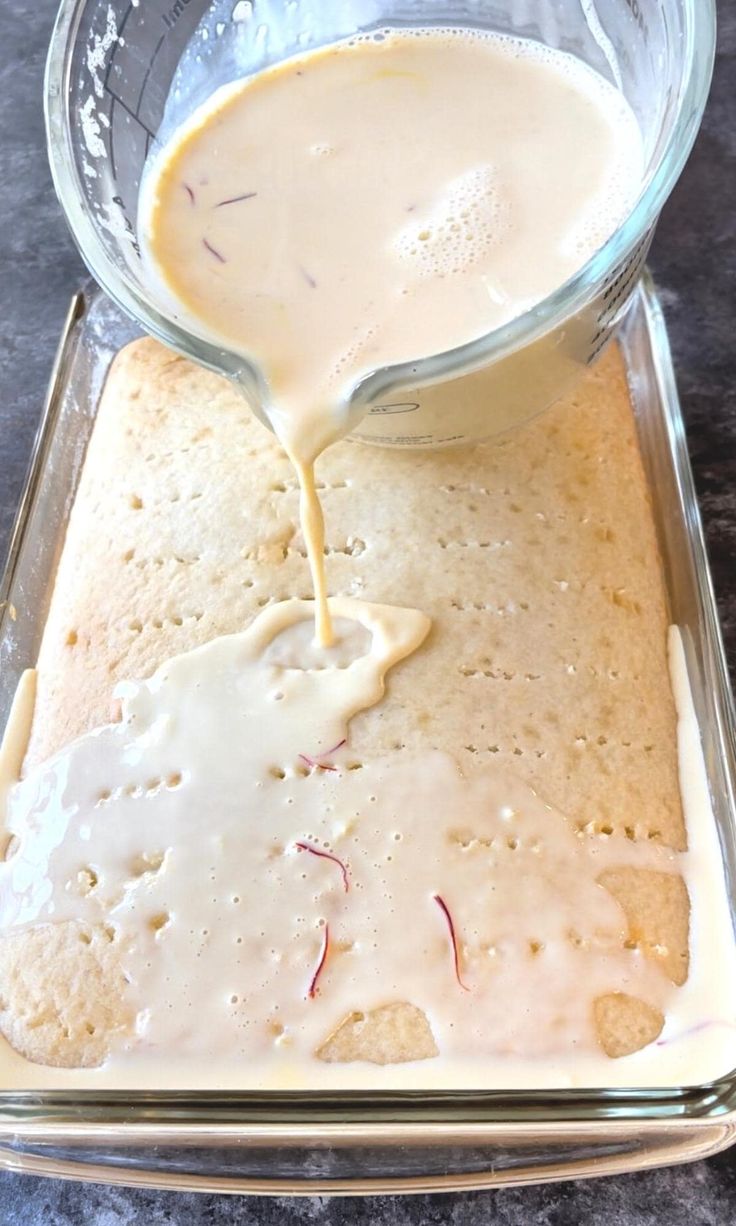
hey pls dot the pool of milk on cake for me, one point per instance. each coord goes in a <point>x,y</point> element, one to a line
<point>363,919</point>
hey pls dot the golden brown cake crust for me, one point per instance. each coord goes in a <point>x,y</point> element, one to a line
<point>62,993</point>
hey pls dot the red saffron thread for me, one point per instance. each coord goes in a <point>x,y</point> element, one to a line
<point>326,855</point>
<point>684,1034</point>
<point>213,251</point>
<point>315,765</point>
<point>323,766</point>
<point>235,199</point>
<point>455,953</point>
<point>322,959</point>
<point>307,276</point>
<point>190,193</point>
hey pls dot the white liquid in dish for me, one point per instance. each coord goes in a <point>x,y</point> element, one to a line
<point>319,888</point>
<point>322,889</point>
<point>380,200</point>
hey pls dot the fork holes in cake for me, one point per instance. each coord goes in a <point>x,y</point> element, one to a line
<point>87,880</point>
<point>147,862</point>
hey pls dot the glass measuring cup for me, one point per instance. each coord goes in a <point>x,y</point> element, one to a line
<point>122,75</point>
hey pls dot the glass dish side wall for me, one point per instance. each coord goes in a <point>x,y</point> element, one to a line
<point>93,333</point>
<point>359,1143</point>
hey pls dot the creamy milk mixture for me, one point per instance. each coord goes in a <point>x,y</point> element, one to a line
<point>261,886</point>
<point>380,200</point>
<point>367,204</point>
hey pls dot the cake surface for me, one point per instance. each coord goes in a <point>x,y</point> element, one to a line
<point>534,556</point>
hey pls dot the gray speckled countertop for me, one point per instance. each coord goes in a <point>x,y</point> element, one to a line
<point>694,261</point>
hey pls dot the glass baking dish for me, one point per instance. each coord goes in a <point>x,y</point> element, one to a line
<point>351,1143</point>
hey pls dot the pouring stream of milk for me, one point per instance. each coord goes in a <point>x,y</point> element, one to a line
<point>380,200</point>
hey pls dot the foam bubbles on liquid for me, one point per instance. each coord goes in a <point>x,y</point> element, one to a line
<point>610,205</point>
<point>458,230</point>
